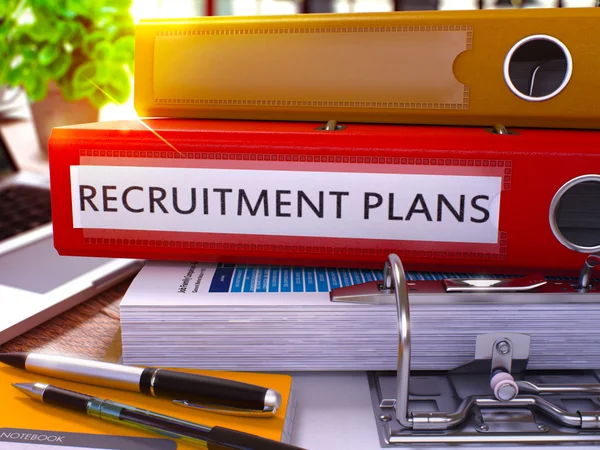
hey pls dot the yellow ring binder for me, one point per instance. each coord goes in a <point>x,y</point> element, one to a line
<point>431,67</point>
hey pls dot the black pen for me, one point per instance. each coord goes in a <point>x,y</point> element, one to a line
<point>213,438</point>
<point>210,394</point>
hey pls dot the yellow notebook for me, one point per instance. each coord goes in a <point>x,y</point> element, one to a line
<point>17,411</point>
<point>519,67</point>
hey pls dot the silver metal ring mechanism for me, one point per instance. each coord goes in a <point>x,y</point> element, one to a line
<point>553,209</point>
<point>538,37</point>
<point>394,275</point>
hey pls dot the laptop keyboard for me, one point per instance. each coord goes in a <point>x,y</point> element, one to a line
<point>23,208</point>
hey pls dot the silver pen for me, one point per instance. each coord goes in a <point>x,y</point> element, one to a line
<point>210,394</point>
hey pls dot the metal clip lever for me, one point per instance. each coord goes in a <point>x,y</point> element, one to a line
<point>558,389</point>
<point>521,284</point>
<point>395,278</point>
<point>383,292</point>
<point>501,381</point>
<point>229,410</point>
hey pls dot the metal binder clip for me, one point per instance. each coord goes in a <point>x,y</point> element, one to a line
<point>491,400</point>
<point>585,276</point>
<point>228,410</point>
<point>501,129</point>
<point>331,125</point>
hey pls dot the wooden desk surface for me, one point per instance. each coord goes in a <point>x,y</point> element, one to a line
<point>88,329</point>
<point>85,331</point>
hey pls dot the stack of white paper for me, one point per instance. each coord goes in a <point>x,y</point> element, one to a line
<point>281,319</point>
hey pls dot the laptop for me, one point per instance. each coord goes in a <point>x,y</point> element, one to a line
<point>36,283</point>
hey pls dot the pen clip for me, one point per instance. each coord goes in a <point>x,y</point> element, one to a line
<point>268,412</point>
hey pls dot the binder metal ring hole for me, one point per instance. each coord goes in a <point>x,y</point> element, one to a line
<point>538,68</point>
<point>575,214</point>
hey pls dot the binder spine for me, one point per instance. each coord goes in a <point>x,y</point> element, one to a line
<point>526,67</point>
<point>462,201</point>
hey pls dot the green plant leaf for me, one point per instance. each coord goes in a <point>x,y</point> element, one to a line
<point>75,34</point>
<point>125,24</point>
<point>8,7</point>
<point>40,5</point>
<point>3,73</point>
<point>120,95</point>
<point>61,30</point>
<point>66,89</point>
<point>40,31</point>
<point>102,51</point>
<point>48,54</point>
<point>82,45</point>
<point>121,5</point>
<point>39,91</point>
<point>83,8</point>
<point>91,40</point>
<point>35,84</point>
<point>103,72</point>
<point>60,66</point>
<point>37,35</point>
<point>28,52</point>
<point>112,30</point>
<point>83,80</point>
<point>98,99</point>
<point>15,76</point>
<point>119,85</point>
<point>63,11</point>
<point>108,10</point>
<point>124,49</point>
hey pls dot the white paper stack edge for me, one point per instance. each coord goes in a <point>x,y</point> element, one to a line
<point>261,318</point>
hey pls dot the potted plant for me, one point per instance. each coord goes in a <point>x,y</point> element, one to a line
<point>71,57</point>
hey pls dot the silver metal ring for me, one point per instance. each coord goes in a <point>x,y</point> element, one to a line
<point>394,274</point>
<point>331,125</point>
<point>499,129</point>
<point>552,214</point>
<point>538,37</point>
<point>152,380</point>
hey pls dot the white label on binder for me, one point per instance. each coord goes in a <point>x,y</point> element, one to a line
<point>385,206</point>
